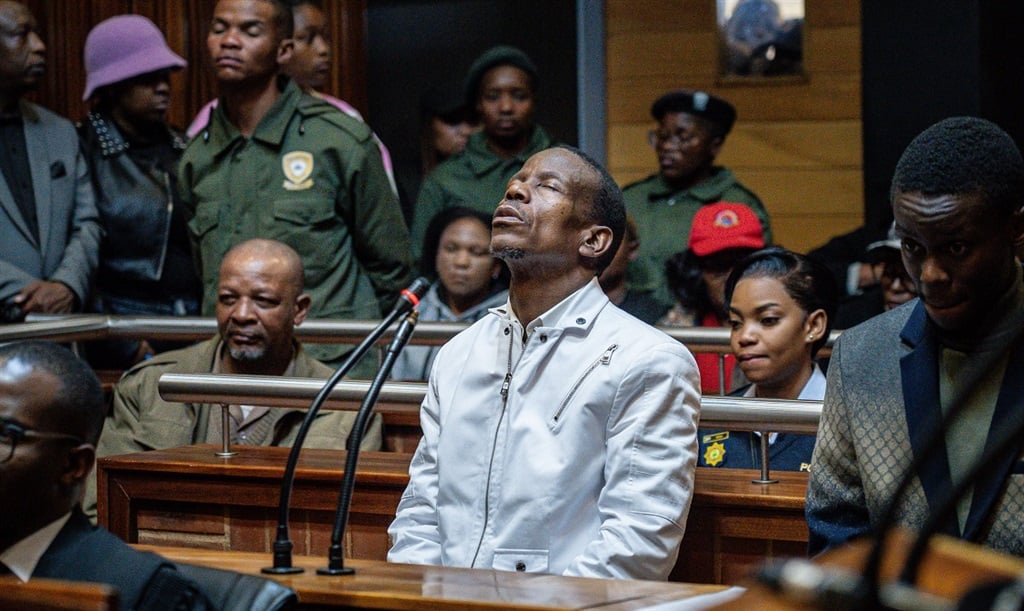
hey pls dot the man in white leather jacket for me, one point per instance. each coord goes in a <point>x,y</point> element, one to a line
<point>559,432</point>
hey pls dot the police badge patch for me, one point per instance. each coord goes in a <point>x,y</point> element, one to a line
<point>298,167</point>
<point>714,452</point>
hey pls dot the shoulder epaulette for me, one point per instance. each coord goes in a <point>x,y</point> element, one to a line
<point>312,107</point>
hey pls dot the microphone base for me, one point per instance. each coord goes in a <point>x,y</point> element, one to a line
<point>282,570</point>
<point>329,571</point>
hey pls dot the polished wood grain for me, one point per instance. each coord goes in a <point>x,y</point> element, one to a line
<point>56,595</point>
<point>188,496</point>
<point>734,525</point>
<point>950,569</point>
<point>379,585</point>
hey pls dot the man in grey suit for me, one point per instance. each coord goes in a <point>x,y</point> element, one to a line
<point>958,199</point>
<point>49,226</point>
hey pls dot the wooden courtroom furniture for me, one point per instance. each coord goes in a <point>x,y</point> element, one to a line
<point>188,496</point>
<point>950,569</point>
<point>378,585</point>
<point>57,595</point>
<point>734,525</point>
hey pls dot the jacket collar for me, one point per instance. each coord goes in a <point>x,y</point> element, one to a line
<point>220,134</point>
<point>577,312</point>
<point>920,384</point>
<point>112,143</point>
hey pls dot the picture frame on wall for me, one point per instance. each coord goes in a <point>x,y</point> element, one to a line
<point>760,39</point>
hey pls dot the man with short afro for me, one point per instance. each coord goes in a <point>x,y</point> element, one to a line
<point>949,363</point>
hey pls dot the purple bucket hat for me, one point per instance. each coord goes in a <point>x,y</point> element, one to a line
<point>123,47</point>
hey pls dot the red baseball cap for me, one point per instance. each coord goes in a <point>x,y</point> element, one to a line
<point>724,225</point>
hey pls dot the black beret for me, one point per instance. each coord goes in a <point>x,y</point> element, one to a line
<point>492,58</point>
<point>696,103</point>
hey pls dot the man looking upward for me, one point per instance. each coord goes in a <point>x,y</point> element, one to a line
<point>576,420</point>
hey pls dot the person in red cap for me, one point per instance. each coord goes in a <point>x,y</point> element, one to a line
<point>690,131</point>
<point>723,233</point>
<point>146,263</point>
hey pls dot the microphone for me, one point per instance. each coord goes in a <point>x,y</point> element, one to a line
<point>408,300</point>
<point>807,584</point>
<point>335,554</point>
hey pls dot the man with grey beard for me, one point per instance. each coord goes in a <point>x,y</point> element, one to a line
<point>260,301</point>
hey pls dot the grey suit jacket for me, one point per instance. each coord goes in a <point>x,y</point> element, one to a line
<point>881,404</point>
<point>67,250</point>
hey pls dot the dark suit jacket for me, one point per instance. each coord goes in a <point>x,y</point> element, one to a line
<point>67,250</point>
<point>146,581</point>
<point>881,403</point>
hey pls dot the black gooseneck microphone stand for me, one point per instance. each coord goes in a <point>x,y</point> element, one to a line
<point>335,554</point>
<point>409,299</point>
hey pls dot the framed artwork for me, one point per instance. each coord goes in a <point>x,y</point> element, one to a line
<point>760,38</point>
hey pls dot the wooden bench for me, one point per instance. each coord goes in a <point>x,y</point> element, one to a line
<point>188,496</point>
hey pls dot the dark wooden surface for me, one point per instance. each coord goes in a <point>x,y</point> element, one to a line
<point>734,525</point>
<point>950,569</point>
<point>188,496</point>
<point>56,594</point>
<point>378,585</point>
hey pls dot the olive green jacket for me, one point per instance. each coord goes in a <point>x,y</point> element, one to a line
<point>663,217</point>
<point>311,177</point>
<point>141,420</point>
<point>475,178</point>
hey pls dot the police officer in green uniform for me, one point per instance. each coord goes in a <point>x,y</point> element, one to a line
<point>692,126</point>
<point>501,85</point>
<point>275,162</point>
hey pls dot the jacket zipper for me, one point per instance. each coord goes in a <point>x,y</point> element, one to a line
<point>503,391</point>
<point>604,360</point>
<point>167,225</point>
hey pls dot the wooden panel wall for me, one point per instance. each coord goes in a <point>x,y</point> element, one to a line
<point>796,144</point>
<point>66,24</point>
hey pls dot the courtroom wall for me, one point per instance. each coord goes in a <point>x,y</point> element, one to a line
<point>65,24</point>
<point>797,144</point>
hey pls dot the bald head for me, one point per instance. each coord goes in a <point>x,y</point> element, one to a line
<point>271,253</point>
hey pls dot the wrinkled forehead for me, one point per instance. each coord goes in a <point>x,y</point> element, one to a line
<point>562,164</point>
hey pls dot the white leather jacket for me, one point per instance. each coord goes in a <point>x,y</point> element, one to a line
<point>576,459</point>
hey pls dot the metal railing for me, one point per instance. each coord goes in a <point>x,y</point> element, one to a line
<point>731,413</point>
<point>83,327</point>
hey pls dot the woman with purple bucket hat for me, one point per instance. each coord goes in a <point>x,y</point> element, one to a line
<point>146,263</point>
